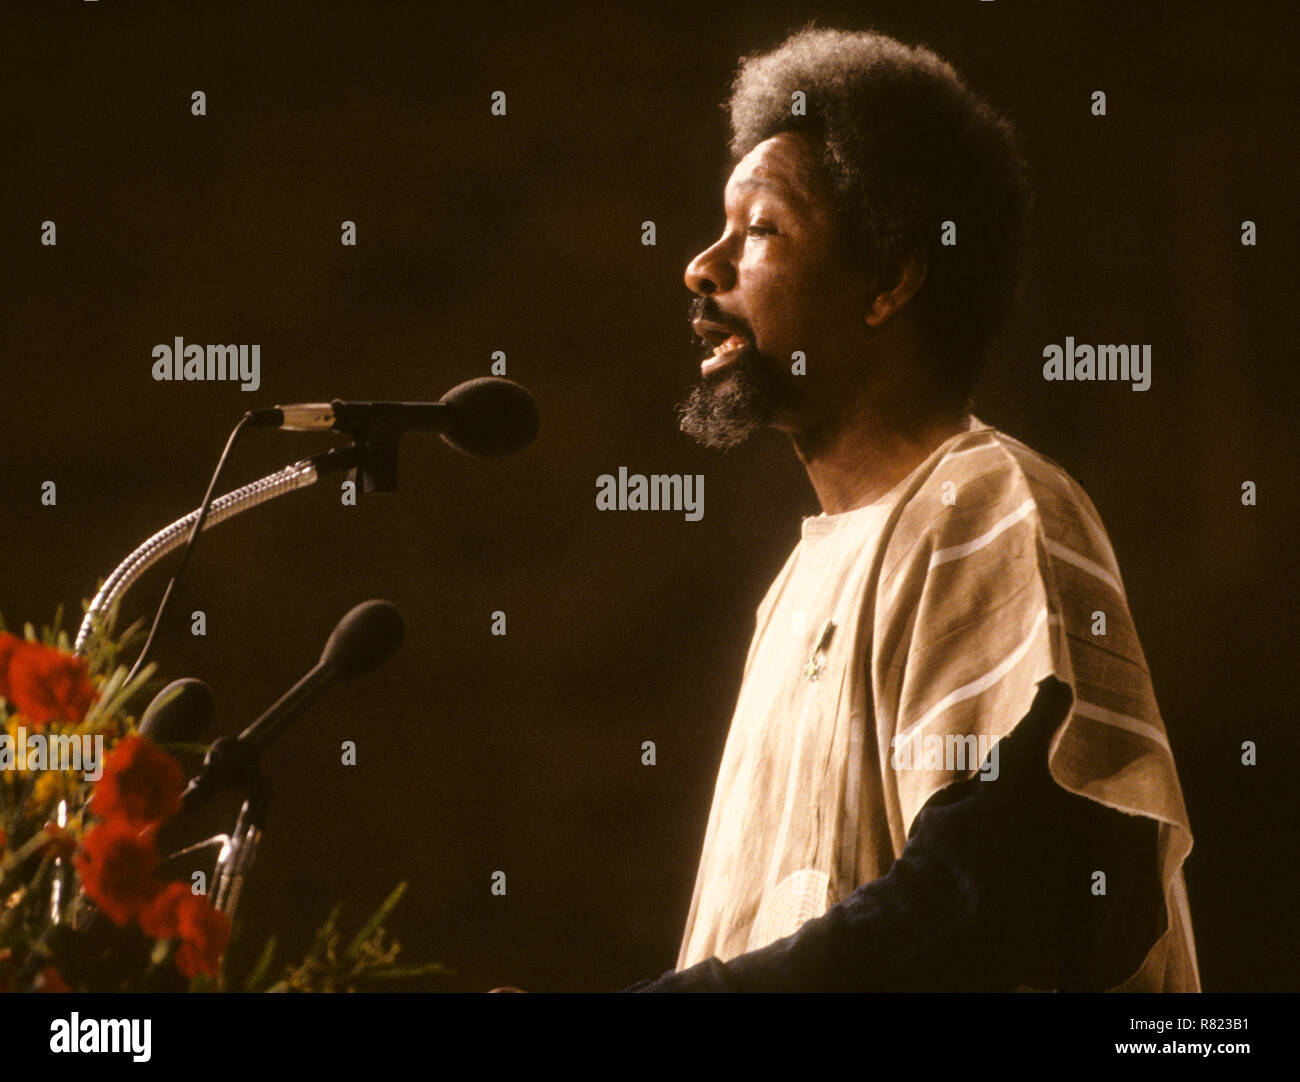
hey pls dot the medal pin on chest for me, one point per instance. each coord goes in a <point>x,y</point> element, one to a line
<point>816,663</point>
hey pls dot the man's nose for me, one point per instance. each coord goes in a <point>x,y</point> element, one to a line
<point>710,272</point>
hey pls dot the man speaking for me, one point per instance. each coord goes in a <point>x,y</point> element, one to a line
<point>946,769</point>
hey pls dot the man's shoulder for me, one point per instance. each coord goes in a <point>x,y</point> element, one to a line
<point>1001,464</point>
<point>981,484</point>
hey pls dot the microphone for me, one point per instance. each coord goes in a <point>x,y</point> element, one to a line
<point>363,640</point>
<point>179,713</point>
<point>484,417</point>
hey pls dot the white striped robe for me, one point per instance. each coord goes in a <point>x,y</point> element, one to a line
<point>981,574</point>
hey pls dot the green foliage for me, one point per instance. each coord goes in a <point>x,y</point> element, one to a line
<point>367,960</point>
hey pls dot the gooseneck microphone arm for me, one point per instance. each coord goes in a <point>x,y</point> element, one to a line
<point>103,608</point>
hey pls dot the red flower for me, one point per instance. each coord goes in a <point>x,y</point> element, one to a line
<point>8,644</point>
<point>177,913</point>
<point>117,869</point>
<point>44,683</point>
<point>160,919</point>
<point>141,784</point>
<point>204,934</point>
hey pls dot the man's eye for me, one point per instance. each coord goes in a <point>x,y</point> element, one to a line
<point>759,230</point>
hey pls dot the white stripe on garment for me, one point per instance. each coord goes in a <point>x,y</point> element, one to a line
<point>957,552</point>
<point>1097,535</point>
<point>1189,938</point>
<point>1084,564</point>
<point>968,451</point>
<point>976,686</point>
<point>1122,721</point>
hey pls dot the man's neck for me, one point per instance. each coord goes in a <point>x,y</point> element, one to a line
<point>861,455</point>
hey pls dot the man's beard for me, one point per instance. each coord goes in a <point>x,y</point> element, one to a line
<point>724,412</point>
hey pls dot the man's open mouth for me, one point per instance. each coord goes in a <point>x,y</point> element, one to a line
<point>724,354</point>
<point>728,346</point>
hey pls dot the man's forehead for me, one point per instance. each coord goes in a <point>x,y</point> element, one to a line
<point>786,164</point>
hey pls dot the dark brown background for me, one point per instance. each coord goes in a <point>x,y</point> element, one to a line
<point>521,233</point>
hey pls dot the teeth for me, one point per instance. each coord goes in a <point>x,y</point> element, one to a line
<point>733,343</point>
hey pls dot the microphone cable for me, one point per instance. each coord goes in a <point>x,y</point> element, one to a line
<point>188,551</point>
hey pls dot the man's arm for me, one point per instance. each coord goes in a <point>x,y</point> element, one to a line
<point>994,889</point>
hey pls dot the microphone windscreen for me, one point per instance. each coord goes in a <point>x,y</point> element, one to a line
<point>490,416</point>
<point>364,639</point>
<point>180,713</point>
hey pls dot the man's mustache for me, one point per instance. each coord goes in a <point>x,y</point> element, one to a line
<point>706,308</point>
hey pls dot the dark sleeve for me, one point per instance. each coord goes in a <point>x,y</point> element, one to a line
<point>995,888</point>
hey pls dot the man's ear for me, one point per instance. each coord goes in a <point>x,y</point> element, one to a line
<point>897,285</point>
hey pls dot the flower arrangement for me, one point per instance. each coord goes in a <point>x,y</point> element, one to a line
<point>83,794</point>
